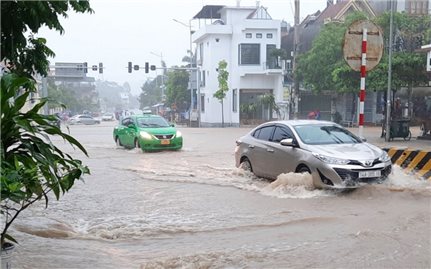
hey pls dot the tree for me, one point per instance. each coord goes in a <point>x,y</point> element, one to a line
<point>32,167</point>
<point>220,94</point>
<point>29,54</point>
<point>177,94</point>
<point>316,67</point>
<point>151,93</point>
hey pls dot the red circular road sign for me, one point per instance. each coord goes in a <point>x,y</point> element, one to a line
<point>352,47</point>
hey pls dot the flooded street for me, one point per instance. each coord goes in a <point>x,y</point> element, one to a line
<point>194,209</point>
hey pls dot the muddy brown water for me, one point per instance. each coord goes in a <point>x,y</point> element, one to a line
<point>194,209</point>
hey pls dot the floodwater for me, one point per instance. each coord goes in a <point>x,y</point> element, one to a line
<point>194,209</point>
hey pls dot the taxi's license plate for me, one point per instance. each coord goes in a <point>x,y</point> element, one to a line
<point>372,173</point>
<point>165,141</point>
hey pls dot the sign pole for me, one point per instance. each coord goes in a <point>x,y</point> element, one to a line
<point>363,75</point>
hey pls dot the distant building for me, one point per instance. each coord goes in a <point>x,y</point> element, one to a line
<point>73,76</point>
<point>244,37</point>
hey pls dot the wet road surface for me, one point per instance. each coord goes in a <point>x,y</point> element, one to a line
<point>193,209</point>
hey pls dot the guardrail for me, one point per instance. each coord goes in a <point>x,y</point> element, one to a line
<point>412,161</point>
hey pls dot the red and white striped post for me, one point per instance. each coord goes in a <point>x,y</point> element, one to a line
<point>363,75</point>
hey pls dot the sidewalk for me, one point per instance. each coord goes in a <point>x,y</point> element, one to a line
<point>372,134</point>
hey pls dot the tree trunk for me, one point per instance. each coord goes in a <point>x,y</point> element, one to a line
<point>222,115</point>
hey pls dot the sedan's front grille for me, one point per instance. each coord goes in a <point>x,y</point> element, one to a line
<point>158,136</point>
<point>355,162</point>
<point>353,175</point>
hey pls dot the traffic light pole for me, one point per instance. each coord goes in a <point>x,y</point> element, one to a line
<point>198,101</point>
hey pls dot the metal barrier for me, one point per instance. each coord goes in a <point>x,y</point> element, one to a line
<point>412,161</point>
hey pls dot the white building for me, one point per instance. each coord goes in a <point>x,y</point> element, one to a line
<point>244,37</point>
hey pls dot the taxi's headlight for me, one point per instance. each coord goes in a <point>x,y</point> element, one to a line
<point>330,160</point>
<point>145,135</point>
<point>385,157</point>
<point>178,134</point>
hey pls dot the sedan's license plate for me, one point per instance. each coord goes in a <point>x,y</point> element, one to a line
<point>372,173</point>
<point>165,141</point>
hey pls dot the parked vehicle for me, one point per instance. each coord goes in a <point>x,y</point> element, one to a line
<point>330,153</point>
<point>82,119</point>
<point>108,117</point>
<point>148,132</point>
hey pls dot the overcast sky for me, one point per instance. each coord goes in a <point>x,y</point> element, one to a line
<point>131,30</point>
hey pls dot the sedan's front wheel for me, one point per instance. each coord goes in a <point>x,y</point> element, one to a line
<point>304,169</point>
<point>246,165</point>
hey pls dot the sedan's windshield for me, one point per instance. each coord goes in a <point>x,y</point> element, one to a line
<point>152,122</point>
<point>325,134</point>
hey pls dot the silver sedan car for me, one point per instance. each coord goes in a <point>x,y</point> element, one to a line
<point>83,119</point>
<point>333,156</point>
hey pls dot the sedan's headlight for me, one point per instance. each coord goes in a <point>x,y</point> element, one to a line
<point>385,157</point>
<point>178,134</point>
<point>145,135</point>
<point>330,160</point>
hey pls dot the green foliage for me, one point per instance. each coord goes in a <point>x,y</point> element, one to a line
<point>316,67</point>
<point>323,67</point>
<point>151,93</point>
<point>177,93</point>
<point>223,76</point>
<point>31,165</point>
<point>268,100</point>
<point>27,53</point>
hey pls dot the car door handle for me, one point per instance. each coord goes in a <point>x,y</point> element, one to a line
<point>251,146</point>
<point>269,150</point>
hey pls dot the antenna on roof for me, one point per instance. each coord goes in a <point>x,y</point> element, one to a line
<point>257,4</point>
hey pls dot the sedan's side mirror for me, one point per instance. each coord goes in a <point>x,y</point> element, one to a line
<point>172,125</point>
<point>131,125</point>
<point>363,139</point>
<point>289,142</point>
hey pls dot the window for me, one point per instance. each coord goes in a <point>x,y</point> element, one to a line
<point>265,133</point>
<point>249,54</point>
<point>202,102</point>
<point>271,61</point>
<point>268,35</point>
<point>234,100</point>
<point>281,133</point>
<point>259,35</point>
<point>248,35</point>
<point>201,52</point>
<point>203,78</point>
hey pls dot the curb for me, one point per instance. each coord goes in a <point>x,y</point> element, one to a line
<point>412,161</point>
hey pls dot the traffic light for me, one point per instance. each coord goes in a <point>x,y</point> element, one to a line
<point>147,67</point>
<point>100,68</point>
<point>152,67</point>
<point>94,67</point>
<point>129,67</point>
<point>85,67</point>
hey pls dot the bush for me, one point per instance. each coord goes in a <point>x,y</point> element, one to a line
<point>31,165</point>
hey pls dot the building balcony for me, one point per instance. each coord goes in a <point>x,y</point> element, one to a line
<point>266,68</point>
<point>211,29</point>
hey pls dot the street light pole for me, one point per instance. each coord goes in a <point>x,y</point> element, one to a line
<point>162,87</point>
<point>191,73</point>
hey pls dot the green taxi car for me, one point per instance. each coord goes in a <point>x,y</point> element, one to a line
<point>148,132</point>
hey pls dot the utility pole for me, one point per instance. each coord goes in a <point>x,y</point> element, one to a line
<point>388,92</point>
<point>295,54</point>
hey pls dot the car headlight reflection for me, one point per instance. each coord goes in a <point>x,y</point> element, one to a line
<point>145,135</point>
<point>330,160</point>
<point>385,157</point>
<point>178,134</point>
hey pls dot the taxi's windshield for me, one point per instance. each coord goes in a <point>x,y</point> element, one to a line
<point>152,122</point>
